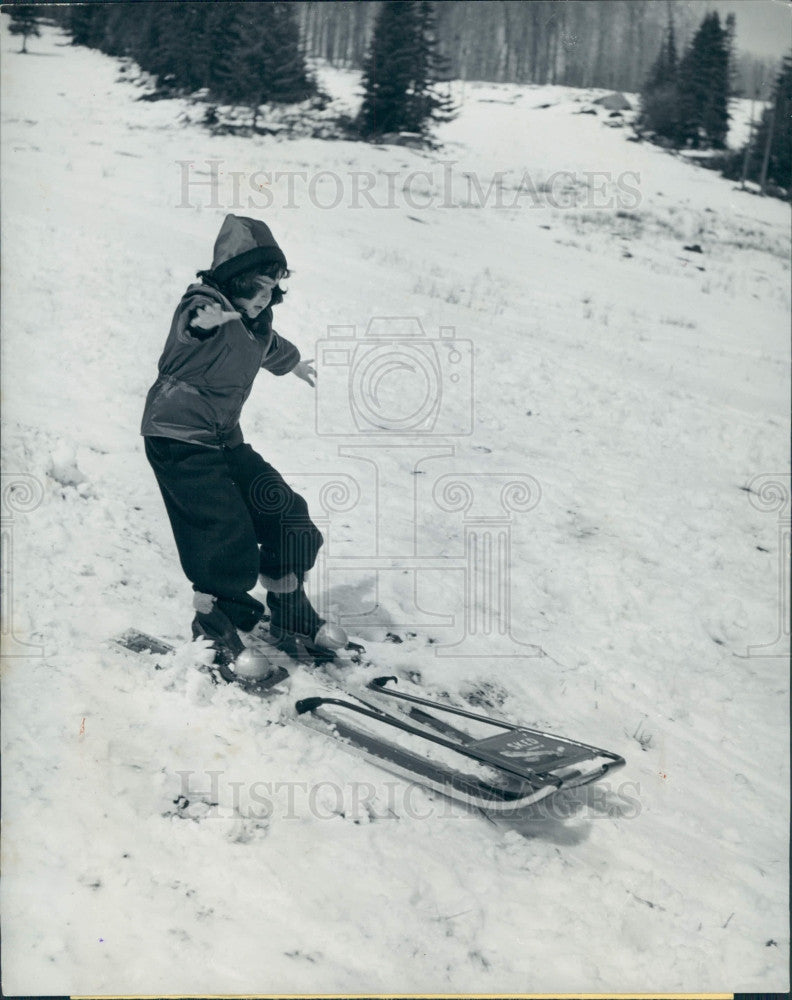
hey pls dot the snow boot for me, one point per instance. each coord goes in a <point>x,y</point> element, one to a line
<point>293,616</point>
<point>233,659</point>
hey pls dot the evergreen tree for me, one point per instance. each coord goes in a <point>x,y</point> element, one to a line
<point>214,71</point>
<point>282,70</point>
<point>664,69</point>
<point>731,53</point>
<point>243,53</point>
<point>86,23</point>
<point>401,72</point>
<point>387,68</point>
<point>660,96</point>
<point>425,103</point>
<point>267,63</point>
<point>703,86</point>
<point>167,50</point>
<point>773,142</point>
<point>24,22</point>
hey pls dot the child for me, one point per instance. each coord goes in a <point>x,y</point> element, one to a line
<point>233,516</point>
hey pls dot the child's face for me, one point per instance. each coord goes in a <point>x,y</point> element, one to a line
<point>259,301</point>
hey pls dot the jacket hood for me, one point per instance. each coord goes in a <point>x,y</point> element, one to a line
<point>241,244</point>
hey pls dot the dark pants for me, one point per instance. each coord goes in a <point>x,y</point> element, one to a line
<point>233,516</point>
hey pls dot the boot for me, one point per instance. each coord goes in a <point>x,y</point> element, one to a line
<point>293,615</point>
<point>234,660</point>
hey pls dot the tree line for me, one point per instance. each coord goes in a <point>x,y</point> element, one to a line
<point>252,54</point>
<point>239,53</point>
<point>597,43</point>
<point>577,43</point>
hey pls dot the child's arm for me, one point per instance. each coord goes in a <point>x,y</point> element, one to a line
<point>209,317</point>
<point>282,357</point>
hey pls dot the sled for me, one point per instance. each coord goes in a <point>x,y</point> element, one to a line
<point>508,769</point>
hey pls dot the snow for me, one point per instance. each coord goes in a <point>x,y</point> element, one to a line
<point>639,388</point>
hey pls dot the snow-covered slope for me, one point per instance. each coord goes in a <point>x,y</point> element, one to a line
<point>641,385</point>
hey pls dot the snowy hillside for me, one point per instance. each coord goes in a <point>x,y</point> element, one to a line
<point>628,320</point>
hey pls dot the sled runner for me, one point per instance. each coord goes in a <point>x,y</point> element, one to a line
<point>508,769</point>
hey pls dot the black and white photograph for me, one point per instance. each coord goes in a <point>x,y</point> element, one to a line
<point>396,497</point>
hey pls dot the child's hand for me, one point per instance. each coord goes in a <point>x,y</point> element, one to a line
<point>208,317</point>
<point>305,371</point>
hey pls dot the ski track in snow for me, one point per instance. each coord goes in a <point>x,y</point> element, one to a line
<point>642,392</point>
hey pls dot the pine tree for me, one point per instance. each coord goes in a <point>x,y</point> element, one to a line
<point>167,50</point>
<point>731,53</point>
<point>86,23</point>
<point>24,22</point>
<point>242,53</point>
<point>288,79</point>
<point>703,85</point>
<point>401,72</point>
<point>215,70</point>
<point>773,142</point>
<point>660,97</point>
<point>425,103</point>
<point>268,63</point>
<point>387,68</point>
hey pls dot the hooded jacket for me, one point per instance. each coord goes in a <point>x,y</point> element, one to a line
<point>205,377</point>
